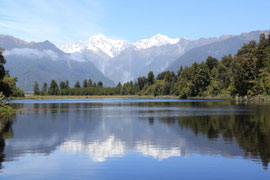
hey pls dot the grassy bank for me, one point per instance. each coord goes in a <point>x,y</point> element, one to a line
<point>255,99</point>
<point>90,97</point>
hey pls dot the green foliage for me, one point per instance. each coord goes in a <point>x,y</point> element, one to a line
<point>5,111</point>
<point>77,85</point>
<point>245,74</point>
<point>142,82</point>
<point>44,90</point>
<point>2,62</point>
<point>36,89</point>
<point>100,84</point>
<point>67,84</point>
<point>10,88</point>
<point>85,83</point>
<point>54,89</point>
<point>90,83</point>
<point>8,84</point>
<point>150,78</point>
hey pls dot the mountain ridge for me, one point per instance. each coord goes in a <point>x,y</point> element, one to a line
<point>132,62</point>
<point>43,61</point>
<point>216,49</point>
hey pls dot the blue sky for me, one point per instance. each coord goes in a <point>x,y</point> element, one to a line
<point>71,20</point>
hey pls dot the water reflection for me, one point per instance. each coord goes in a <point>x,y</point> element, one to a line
<point>5,133</point>
<point>154,129</point>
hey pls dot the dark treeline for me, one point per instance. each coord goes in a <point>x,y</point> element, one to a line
<point>245,74</point>
<point>86,88</point>
<point>7,83</point>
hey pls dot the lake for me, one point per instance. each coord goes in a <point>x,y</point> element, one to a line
<point>135,139</point>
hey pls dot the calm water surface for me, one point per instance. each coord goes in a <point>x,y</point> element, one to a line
<point>135,139</point>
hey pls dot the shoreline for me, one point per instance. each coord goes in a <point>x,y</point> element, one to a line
<point>92,97</point>
<point>242,100</point>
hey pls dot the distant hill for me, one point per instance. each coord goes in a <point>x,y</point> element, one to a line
<point>111,61</point>
<point>43,61</point>
<point>216,49</point>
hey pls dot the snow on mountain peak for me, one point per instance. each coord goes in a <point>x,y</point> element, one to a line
<point>112,47</point>
<point>96,43</point>
<point>157,40</point>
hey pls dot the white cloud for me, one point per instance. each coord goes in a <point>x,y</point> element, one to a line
<point>98,151</point>
<point>58,21</point>
<point>77,57</point>
<point>31,53</point>
<point>158,152</point>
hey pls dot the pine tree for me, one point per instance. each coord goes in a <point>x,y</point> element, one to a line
<point>44,89</point>
<point>90,83</point>
<point>151,78</point>
<point>67,84</point>
<point>63,85</point>
<point>54,89</point>
<point>36,89</point>
<point>77,84</point>
<point>85,84</point>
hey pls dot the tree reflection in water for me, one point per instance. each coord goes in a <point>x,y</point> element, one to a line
<point>251,131</point>
<point>5,133</point>
<point>91,125</point>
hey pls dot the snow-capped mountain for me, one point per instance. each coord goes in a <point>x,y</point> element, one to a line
<point>113,47</point>
<point>96,44</point>
<point>119,60</point>
<point>43,62</point>
<point>157,40</point>
<point>134,62</point>
<point>105,59</point>
<point>107,49</point>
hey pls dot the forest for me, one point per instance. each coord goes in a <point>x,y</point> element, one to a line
<point>247,73</point>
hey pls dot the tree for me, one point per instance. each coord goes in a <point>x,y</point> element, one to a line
<point>4,86</point>
<point>85,84</point>
<point>77,84</point>
<point>211,63</point>
<point>67,84</point>
<point>119,84</point>
<point>63,85</point>
<point>244,74</point>
<point>44,89</point>
<point>54,89</point>
<point>100,84</point>
<point>261,53</point>
<point>180,70</point>
<point>2,62</point>
<point>247,73</point>
<point>8,87</point>
<point>8,84</point>
<point>90,83</point>
<point>36,89</point>
<point>141,82</point>
<point>151,78</point>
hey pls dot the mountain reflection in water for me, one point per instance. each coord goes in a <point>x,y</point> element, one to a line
<point>152,129</point>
